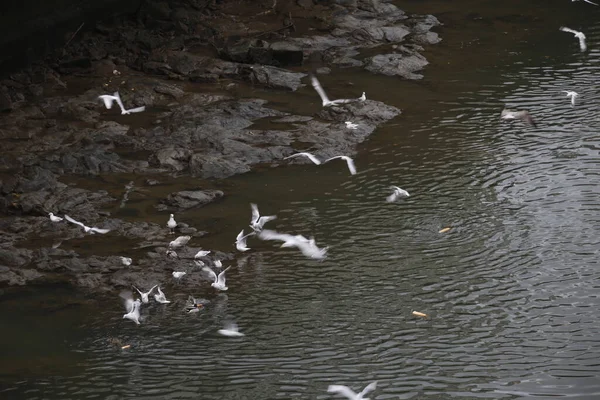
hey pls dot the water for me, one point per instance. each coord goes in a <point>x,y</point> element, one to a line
<point>511,289</point>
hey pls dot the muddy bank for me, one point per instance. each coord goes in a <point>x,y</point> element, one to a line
<point>53,124</point>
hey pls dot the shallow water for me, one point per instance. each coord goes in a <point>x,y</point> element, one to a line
<point>511,289</point>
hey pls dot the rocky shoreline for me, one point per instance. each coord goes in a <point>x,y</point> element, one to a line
<point>53,125</point>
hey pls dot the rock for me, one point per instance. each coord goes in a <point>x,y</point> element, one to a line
<point>174,158</point>
<point>397,64</point>
<point>191,198</point>
<point>286,54</point>
<point>170,90</point>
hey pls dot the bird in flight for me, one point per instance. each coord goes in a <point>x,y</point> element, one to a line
<point>578,35</point>
<point>109,99</point>
<point>522,115</point>
<point>325,99</point>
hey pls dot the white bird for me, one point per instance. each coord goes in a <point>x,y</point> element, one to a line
<point>126,261</point>
<point>522,115</point>
<point>202,253</point>
<point>348,160</point>
<point>160,297</point>
<point>171,224</point>
<point>310,156</point>
<point>218,263</point>
<point>133,310</point>
<point>231,330</point>
<point>54,218</point>
<point>349,393</point>
<point>396,194</point>
<point>178,274</point>
<point>351,125</point>
<point>109,99</point>
<point>145,295</point>
<point>572,94</point>
<point>240,241</point>
<point>257,222</point>
<point>308,247</point>
<point>172,253</point>
<point>587,1</point>
<point>325,99</point>
<point>218,281</point>
<point>179,242</point>
<point>578,35</point>
<point>87,229</point>
<point>199,263</point>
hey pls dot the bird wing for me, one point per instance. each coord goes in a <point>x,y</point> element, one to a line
<point>343,390</point>
<point>255,213</point>
<point>221,277</point>
<point>267,234</point>
<point>100,230</point>
<point>370,387</point>
<point>151,289</point>
<point>343,101</point>
<point>565,29</point>
<point>73,221</point>
<point>211,273</point>
<point>240,237</point>
<point>591,2</point>
<point>129,305</point>
<point>263,220</point>
<point>319,89</point>
<point>308,155</point>
<point>351,165</point>
<point>582,44</point>
<point>108,100</point>
<point>137,109</point>
<point>138,290</point>
<point>117,97</point>
<point>392,197</point>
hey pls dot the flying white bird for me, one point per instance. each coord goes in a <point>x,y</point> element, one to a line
<point>202,253</point>
<point>218,281</point>
<point>133,310</point>
<point>145,295</point>
<point>126,261</point>
<point>587,1</point>
<point>87,229</point>
<point>348,160</point>
<point>308,247</point>
<point>310,156</point>
<point>351,125</point>
<point>325,99</point>
<point>54,218</point>
<point>578,35</point>
<point>231,330</point>
<point>349,393</point>
<point>522,115</point>
<point>257,222</point>
<point>109,99</point>
<point>199,263</point>
<point>171,224</point>
<point>178,274</point>
<point>572,95</point>
<point>160,297</point>
<point>396,194</point>
<point>240,241</point>
<point>179,242</point>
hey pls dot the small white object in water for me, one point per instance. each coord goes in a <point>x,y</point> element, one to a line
<point>179,242</point>
<point>257,222</point>
<point>325,99</point>
<point>308,247</point>
<point>522,115</point>
<point>145,295</point>
<point>351,125</point>
<point>572,94</point>
<point>218,281</point>
<point>348,160</point>
<point>87,229</point>
<point>160,297</point>
<point>54,218</point>
<point>171,224</point>
<point>218,263</point>
<point>310,156</point>
<point>178,274</point>
<point>396,194</point>
<point>110,99</point>
<point>349,393</point>
<point>133,310</point>
<point>126,261</point>
<point>231,330</point>
<point>240,241</point>
<point>578,35</point>
<point>202,253</point>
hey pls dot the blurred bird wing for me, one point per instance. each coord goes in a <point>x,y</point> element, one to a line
<point>343,390</point>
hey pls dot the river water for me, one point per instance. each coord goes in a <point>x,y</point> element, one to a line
<point>511,289</point>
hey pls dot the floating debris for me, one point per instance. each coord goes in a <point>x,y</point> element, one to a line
<point>445,230</point>
<point>419,314</point>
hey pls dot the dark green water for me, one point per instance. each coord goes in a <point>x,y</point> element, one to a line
<point>511,290</point>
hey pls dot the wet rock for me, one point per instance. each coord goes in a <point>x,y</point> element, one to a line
<point>14,257</point>
<point>398,64</point>
<point>170,90</point>
<point>187,199</point>
<point>176,159</point>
